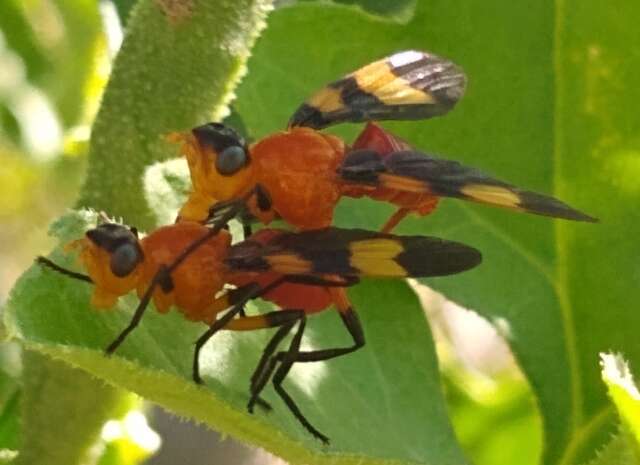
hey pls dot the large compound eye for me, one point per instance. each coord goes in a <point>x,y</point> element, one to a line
<point>231,160</point>
<point>124,259</point>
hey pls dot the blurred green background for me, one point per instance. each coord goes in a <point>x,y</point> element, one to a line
<point>55,61</point>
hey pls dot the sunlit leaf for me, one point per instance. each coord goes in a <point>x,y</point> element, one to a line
<point>616,452</point>
<point>19,37</point>
<point>400,11</point>
<point>625,395</point>
<point>123,7</point>
<point>9,412</point>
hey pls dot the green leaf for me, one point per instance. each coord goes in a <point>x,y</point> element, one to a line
<point>166,185</point>
<point>616,452</point>
<point>62,411</point>
<point>73,57</point>
<point>10,394</point>
<point>499,404</point>
<point>400,11</point>
<point>123,8</point>
<point>550,106</point>
<point>128,441</point>
<point>9,423</point>
<point>625,396</point>
<point>7,456</point>
<point>19,37</point>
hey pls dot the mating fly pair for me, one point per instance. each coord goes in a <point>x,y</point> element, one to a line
<point>299,175</point>
<point>187,265</point>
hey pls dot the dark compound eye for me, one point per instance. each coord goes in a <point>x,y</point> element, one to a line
<point>124,259</point>
<point>231,160</point>
<point>217,136</point>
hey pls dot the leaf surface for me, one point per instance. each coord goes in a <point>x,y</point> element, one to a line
<point>623,391</point>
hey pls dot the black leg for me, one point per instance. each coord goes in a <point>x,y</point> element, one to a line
<point>263,199</point>
<point>286,319</point>
<point>265,367</point>
<point>352,322</point>
<point>220,209</point>
<point>251,291</point>
<point>243,312</point>
<point>288,358</point>
<point>242,296</point>
<point>161,276</point>
<point>263,404</point>
<point>208,334</point>
<point>216,226</point>
<point>246,230</point>
<point>281,374</point>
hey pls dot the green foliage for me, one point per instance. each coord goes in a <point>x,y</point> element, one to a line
<point>616,452</point>
<point>550,106</point>
<point>7,456</point>
<point>400,11</point>
<point>61,416</point>
<point>124,7</point>
<point>626,397</point>
<point>9,415</point>
<point>20,37</point>
<point>502,405</point>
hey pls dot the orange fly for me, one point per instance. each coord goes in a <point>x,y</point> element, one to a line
<point>187,265</point>
<point>301,173</point>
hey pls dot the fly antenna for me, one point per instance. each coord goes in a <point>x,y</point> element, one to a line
<point>40,260</point>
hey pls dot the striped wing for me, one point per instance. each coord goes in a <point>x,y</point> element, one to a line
<point>353,253</point>
<point>408,85</point>
<point>412,171</point>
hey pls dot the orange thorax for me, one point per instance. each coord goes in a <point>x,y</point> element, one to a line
<point>196,280</point>
<point>298,170</point>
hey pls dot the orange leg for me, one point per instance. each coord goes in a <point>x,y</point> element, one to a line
<point>393,221</point>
